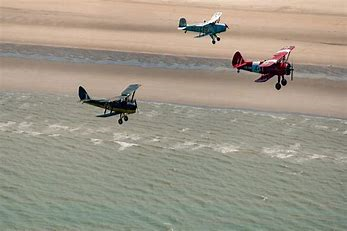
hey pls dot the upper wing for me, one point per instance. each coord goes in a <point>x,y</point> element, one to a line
<point>125,93</point>
<point>278,56</point>
<point>215,18</point>
<point>129,90</point>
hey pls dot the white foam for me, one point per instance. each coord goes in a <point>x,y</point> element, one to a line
<point>124,145</point>
<point>74,129</point>
<point>18,131</point>
<point>225,148</point>
<point>7,124</point>
<point>54,135</point>
<point>58,127</point>
<point>96,141</point>
<point>317,156</point>
<point>156,139</point>
<point>24,124</point>
<point>185,129</point>
<point>321,127</point>
<point>281,152</point>
<point>33,133</point>
<point>185,145</point>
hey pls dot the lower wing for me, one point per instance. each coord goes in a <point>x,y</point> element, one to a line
<point>202,35</point>
<point>108,114</point>
<point>264,78</point>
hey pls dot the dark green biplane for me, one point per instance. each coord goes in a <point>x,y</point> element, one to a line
<point>121,105</point>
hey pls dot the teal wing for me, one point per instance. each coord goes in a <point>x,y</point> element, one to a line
<point>129,90</point>
<point>202,35</point>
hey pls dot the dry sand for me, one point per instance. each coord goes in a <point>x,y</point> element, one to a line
<point>318,29</point>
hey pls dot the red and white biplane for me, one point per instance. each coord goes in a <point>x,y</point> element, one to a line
<point>277,65</point>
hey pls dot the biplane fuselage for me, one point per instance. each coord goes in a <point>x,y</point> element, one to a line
<point>210,28</point>
<point>121,105</point>
<point>276,69</point>
<point>115,106</point>
<point>207,29</point>
<point>277,65</point>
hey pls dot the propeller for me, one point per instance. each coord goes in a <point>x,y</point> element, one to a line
<point>291,72</point>
<point>137,109</point>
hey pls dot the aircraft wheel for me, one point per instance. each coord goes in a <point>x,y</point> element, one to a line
<point>120,121</point>
<point>125,118</point>
<point>284,82</point>
<point>218,39</point>
<point>213,42</point>
<point>278,86</point>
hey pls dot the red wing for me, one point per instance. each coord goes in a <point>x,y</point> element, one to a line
<point>268,63</point>
<point>278,56</point>
<point>264,78</point>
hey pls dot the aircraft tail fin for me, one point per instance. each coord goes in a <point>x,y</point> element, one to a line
<point>82,93</point>
<point>237,60</point>
<point>182,23</point>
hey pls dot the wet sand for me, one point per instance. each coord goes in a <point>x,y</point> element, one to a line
<point>193,87</point>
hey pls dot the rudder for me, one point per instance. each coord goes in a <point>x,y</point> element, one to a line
<point>237,59</point>
<point>82,93</point>
<point>182,22</point>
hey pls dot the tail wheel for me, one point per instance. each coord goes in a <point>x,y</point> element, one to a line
<point>120,121</point>
<point>278,86</point>
<point>125,118</point>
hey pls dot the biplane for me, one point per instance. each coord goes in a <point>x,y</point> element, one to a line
<point>210,28</point>
<point>122,105</point>
<point>277,65</point>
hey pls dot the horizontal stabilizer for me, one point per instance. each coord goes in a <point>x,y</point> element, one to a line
<point>108,114</point>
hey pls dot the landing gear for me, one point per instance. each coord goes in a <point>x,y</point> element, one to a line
<point>283,81</point>
<point>121,117</point>
<point>278,86</point>
<point>213,36</point>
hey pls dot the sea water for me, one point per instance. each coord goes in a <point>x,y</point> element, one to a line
<point>170,167</point>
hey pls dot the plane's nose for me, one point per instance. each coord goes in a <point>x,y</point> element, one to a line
<point>226,26</point>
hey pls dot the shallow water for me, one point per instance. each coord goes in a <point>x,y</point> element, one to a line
<point>170,167</point>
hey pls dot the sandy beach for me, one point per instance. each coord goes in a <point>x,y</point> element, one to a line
<point>319,34</point>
